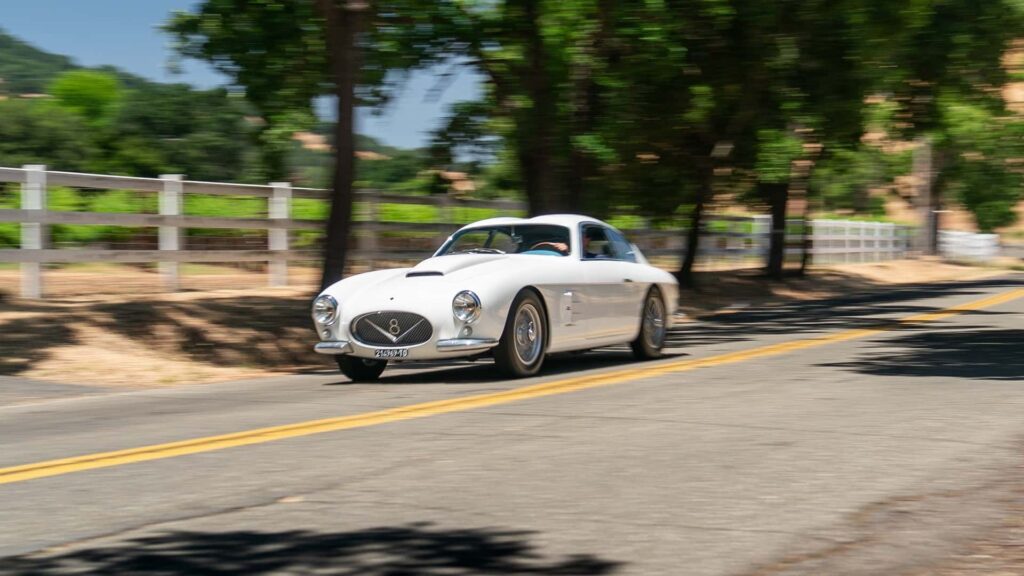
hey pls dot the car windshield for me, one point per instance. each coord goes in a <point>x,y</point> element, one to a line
<point>539,239</point>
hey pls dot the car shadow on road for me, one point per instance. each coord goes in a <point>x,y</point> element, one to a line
<point>483,371</point>
<point>975,353</point>
<point>415,549</point>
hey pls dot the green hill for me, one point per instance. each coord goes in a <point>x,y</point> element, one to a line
<point>26,69</point>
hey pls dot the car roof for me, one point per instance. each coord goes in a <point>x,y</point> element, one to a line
<point>568,220</point>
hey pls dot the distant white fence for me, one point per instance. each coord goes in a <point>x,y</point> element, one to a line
<point>747,239</point>
<point>725,239</point>
<point>968,246</point>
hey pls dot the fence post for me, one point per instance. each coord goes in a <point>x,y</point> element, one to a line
<point>372,231</point>
<point>170,236</point>
<point>34,235</point>
<point>279,208</point>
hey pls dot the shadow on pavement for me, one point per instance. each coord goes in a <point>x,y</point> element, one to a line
<point>979,354</point>
<point>483,371</point>
<point>415,549</point>
<point>845,313</point>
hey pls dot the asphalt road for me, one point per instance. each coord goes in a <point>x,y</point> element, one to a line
<point>878,448</point>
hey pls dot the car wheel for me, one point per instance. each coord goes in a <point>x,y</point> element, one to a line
<point>361,369</point>
<point>520,351</point>
<point>651,340</point>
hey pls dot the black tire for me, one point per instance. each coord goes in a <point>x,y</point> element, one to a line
<point>361,369</point>
<point>651,339</point>
<point>520,353</point>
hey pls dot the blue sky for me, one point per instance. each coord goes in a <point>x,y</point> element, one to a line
<point>124,33</point>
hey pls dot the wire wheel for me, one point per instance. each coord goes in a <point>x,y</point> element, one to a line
<point>653,330</point>
<point>527,333</point>
<point>654,322</point>
<point>520,351</point>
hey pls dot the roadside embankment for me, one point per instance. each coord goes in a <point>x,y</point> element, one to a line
<point>148,339</point>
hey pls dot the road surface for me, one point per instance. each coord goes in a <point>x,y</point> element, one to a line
<point>875,434</point>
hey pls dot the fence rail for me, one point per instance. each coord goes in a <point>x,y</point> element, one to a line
<point>171,190</point>
<point>726,239</point>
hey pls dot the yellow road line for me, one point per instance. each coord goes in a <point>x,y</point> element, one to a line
<point>261,435</point>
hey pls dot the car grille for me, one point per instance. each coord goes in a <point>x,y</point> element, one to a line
<point>392,329</point>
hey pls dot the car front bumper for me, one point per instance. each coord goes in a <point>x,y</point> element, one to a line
<point>440,349</point>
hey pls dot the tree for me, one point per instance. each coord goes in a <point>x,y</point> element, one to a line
<point>285,54</point>
<point>979,151</point>
<point>172,128</point>
<point>37,132</point>
<point>92,95</point>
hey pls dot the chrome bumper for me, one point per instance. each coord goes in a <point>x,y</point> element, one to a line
<point>335,347</point>
<point>338,347</point>
<point>466,344</point>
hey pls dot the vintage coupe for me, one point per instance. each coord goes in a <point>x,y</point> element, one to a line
<point>512,288</point>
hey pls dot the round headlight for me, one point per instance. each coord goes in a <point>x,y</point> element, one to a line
<point>466,306</point>
<point>325,310</point>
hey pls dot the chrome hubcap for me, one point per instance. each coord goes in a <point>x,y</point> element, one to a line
<point>654,322</point>
<point>527,328</point>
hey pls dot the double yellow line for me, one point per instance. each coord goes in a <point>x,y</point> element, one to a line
<point>261,435</point>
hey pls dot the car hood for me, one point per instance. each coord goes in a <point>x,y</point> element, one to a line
<point>459,266</point>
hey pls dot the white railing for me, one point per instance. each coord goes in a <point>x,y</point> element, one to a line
<point>747,238</point>
<point>725,239</point>
<point>35,221</point>
<point>835,241</point>
<point>968,246</point>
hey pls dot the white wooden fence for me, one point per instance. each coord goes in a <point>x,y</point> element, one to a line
<point>747,239</point>
<point>35,221</point>
<point>968,245</point>
<point>727,239</point>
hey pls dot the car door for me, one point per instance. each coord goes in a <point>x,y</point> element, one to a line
<point>607,291</point>
<point>635,288</point>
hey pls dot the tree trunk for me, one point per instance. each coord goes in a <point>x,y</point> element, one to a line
<point>693,233</point>
<point>778,197</point>
<point>805,243</point>
<point>534,139</point>
<point>341,28</point>
<point>585,99</point>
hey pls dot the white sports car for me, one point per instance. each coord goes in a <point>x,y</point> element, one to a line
<point>512,288</point>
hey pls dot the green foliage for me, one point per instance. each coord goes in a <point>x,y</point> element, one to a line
<point>979,155</point>
<point>776,151</point>
<point>844,178</point>
<point>94,96</point>
<point>37,132</point>
<point>108,121</point>
<point>174,129</point>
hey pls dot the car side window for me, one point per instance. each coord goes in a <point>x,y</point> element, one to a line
<point>595,243</point>
<point>621,248</point>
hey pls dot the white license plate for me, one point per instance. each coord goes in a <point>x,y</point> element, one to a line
<point>391,353</point>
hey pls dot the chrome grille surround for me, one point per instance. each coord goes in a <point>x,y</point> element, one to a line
<point>391,329</point>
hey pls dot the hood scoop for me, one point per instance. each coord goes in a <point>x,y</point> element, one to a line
<point>450,264</point>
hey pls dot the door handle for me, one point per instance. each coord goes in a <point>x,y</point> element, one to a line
<point>627,279</point>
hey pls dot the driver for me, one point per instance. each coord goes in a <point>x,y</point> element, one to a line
<point>560,247</point>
